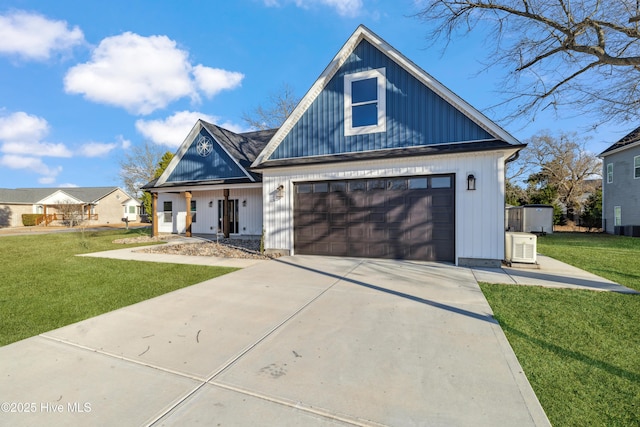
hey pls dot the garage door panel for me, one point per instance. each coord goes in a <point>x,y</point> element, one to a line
<point>378,234</point>
<point>337,218</point>
<point>377,250</point>
<point>378,218</point>
<point>442,199</point>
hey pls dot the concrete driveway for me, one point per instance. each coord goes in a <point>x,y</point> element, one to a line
<point>290,342</point>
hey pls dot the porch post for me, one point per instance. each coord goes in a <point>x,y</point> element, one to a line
<point>46,220</point>
<point>154,214</point>
<point>187,196</point>
<point>225,214</point>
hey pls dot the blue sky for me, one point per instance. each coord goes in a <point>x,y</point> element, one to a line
<point>81,82</point>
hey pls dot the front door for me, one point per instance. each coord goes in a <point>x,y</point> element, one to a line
<point>233,216</point>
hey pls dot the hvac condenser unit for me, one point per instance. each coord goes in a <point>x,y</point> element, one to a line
<point>520,247</point>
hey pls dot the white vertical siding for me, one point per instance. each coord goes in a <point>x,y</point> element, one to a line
<point>479,214</point>
<point>249,216</point>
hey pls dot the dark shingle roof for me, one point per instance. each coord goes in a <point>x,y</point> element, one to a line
<point>397,152</point>
<point>244,147</point>
<point>630,138</point>
<point>34,195</point>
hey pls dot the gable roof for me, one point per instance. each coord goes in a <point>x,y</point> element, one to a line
<point>364,34</point>
<point>233,152</point>
<point>35,195</point>
<point>629,140</point>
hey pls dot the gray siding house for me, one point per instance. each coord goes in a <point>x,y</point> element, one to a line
<point>621,186</point>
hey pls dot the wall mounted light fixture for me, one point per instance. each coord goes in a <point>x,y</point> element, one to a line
<point>471,182</point>
<point>244,203</point>
<point>280,191</point>
<point>211,203</point>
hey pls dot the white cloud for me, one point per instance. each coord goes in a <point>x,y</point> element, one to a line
<point>96,149</point>
<point>32,164</point>
<point>21,134</point>
<point>68,185</point>
<point>172,130</point>
<point>143,74</point>
<point>32,36</point>
<point>22,127</point>
<point>213,80</point>
<point>124,143</point>
<point>35,148</point>
<point>347,8</point>
<point>138,73</point>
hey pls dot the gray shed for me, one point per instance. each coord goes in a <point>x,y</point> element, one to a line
<point>530,218</point>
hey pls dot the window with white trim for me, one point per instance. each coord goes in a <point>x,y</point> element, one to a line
<point>636,167</point>
<point>365,102</point>
<point>167,210</point>
<point>609,173</point>
<point>617,215</point>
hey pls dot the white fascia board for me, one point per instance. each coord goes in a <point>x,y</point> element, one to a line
<point>384,163</point>
<point>619,149</point>
<point>463,106</point>
<point>361,33</point>
<point>210,187</point>
<point>311,95</point>
<point>185,146</point>
<point>180,153</point>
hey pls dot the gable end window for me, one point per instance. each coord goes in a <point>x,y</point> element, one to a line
<point>365,102</point>
<point>636,167</point>
<point>609,173</point>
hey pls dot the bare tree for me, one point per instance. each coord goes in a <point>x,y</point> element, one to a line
<point>580,53</point>
<point>280,105</point>
<point>139,166</point>
<point>72,213</point>
<point>563,164</point>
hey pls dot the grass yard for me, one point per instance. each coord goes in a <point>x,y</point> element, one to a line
<point>43,286</point>
<point>579,349</point>
<point>616,258</point>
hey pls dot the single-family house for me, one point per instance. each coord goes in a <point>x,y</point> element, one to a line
<point>621,186</point>
<point>377,160</point>
<point>95,205</point>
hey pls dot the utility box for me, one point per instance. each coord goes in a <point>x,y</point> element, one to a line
<point>520,247</point>
<point>530,218</point>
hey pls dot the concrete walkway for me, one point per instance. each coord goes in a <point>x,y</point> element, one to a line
<point>288,342</point>
<point>551,274</point>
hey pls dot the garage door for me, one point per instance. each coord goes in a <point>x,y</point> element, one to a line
<point>399,218</point>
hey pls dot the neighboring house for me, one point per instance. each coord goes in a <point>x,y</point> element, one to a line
<point>97,205</point>
<point>621,186</point>
<point>377,160</point>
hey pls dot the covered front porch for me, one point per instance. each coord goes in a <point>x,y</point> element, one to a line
<point>234,210</point>
<point>66,213</point>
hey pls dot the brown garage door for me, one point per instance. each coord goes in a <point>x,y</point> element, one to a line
<point>398,218</point>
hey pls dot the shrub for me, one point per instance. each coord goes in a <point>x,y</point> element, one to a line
<point>29,220</point>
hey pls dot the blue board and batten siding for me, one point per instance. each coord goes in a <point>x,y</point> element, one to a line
<point>215,166</point>
<point>416,116</point>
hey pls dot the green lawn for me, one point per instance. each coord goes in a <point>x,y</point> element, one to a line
<point>44,286</point>
<point>579,349</point>
<point>615,257</point>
